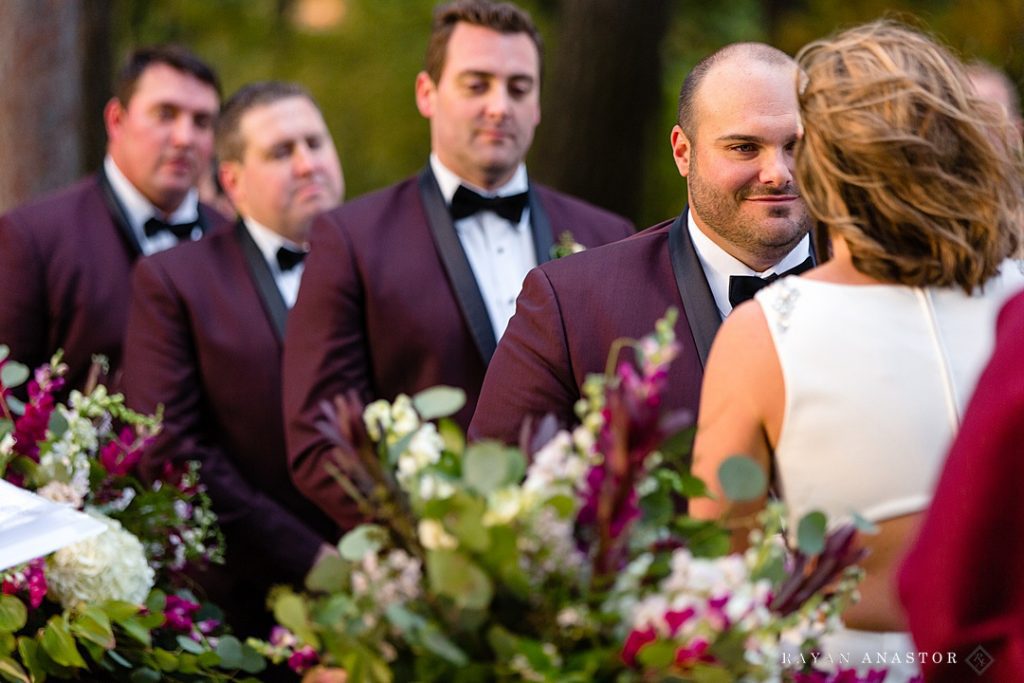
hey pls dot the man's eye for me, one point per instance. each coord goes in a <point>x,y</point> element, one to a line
<point>280,151</point>
<point>203,121</point>
<point>166,112</point>
<point>520,89</point>
<point>314,142</point>
<point>477,87</point>
<point>745,148</point>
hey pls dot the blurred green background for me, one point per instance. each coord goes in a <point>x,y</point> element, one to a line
<point>611,78</point>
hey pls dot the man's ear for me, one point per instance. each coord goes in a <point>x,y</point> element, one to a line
<point>113,117</point>
<point>230,175</point>
<point>682,150</point>
<point>426,90</point>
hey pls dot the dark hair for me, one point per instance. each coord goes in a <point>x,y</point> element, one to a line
<point>229,142</point>
<point>902,160</point>
<point>502,17</point>
<point>687,117</point>
<point>174,56</point>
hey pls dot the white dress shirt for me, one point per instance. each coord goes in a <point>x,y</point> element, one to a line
<point>138,210</point>
<point>719,265</point>
<point>269,242</point>
<point>499,252</point>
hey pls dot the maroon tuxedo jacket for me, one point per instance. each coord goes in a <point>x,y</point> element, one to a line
<point>65,267</point>
<point>571,311</point>
<point>962,584</point>
<point>389,305</point>
<point>204,339</point>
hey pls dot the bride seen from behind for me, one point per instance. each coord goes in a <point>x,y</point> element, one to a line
<point>847,384</point>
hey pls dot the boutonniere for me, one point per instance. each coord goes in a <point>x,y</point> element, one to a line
<point>566,245</point>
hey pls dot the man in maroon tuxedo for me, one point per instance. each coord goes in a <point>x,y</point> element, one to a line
<point>745,225</point>
<point>961,582</point>
<point>65,260</point>
<point>204,339</point>
<point>412,286</point>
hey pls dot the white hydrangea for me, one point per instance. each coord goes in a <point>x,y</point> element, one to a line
<point>377,417</point>
<point>556,466</point>
<point>404,418</point>
<point>59,492</point>
<point>435,487</point>
<point>110,566</point>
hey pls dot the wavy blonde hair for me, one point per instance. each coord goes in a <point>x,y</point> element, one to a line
<point>902,160</point>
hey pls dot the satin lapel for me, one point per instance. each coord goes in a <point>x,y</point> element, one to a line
<point>460,273</point>
<point>270,295</point>
<point>543,235</point>
<point>117,211</point>
<point>698,302</point>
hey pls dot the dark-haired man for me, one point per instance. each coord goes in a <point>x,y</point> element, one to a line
<point>204,338</point>
<point>65,259</point>
<point>745,225</point>
<point>413,285</point>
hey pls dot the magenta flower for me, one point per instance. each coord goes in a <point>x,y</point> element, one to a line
<point>120,456</point>
<point>634,641</point>
<point>696,651</point>
<point>31,580</point>
<point>178,613</point>
<point>303,659</point>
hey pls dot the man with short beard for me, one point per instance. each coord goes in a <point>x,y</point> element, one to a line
<point>745,226</point>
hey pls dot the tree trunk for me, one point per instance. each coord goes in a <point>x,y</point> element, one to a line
<point>41,108</point>
<point>601,92</point>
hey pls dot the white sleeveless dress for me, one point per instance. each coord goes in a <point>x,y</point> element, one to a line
<point>876,380</point>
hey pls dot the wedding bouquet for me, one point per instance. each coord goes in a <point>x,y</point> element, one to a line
<point>114,602</point>
<point>568,559</point>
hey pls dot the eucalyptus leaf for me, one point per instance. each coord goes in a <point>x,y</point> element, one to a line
<point>58,424</point>
<point>742,479</point>
<point>13,613</point>
<point>189,645</point>
<point>16,405</point>
<point>146,675</point>
<point>361,541</point>
<point>395,450</point>
<point>328,575</point>
<point>5,351</point>
<point>863,525</point>
<point>13,374</point>
<point>229,649</point>
<point>455,576</point>
<point>252,662</point>
<point>489,466</point>
<point>436,642</point>
<point>291,612</point>
<point>810,533</point>
<point>439,401</point>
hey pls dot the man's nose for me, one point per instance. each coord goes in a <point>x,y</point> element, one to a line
<point>777,168</point>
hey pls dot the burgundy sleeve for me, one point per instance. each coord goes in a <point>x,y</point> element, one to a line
<point>24,312</point>
<point>325,354</point>
<point>161,367</point>
<point>530,373</point>
<point>962,584</point>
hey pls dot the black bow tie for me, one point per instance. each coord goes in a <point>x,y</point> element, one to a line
<point>288,258</point>
<point>465,203</point>
<point>183,231</point>
<point>744,287</point>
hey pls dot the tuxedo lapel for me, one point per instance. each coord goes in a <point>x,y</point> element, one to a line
<point>270,295</point>
<point>698,302</point>
<point>118,214</point>
<point>460,273</point>
<point>543,235</point>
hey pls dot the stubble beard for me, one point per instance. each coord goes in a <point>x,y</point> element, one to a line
<point>720,212</point>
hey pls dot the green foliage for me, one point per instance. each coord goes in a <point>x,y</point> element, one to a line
<point>742,479</point>
<point>810,533</point>
<point>438,402</point>
<point>361,541</point>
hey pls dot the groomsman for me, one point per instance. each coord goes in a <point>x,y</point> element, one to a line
<point>745,225</point>
<point>204,339</point>
<point>65,259</point>
<point>413,285</point>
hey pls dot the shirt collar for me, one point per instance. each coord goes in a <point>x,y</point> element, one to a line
<point>719,265</point>
<point>138,209</point>
<point>449,182</point>
<point>268,241</point>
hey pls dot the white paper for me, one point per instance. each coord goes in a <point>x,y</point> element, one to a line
<point>31,526</point>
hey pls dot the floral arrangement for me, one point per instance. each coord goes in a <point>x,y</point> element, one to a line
<point>564,560</point>
<point>566,246</point>
<point>115,604</point>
